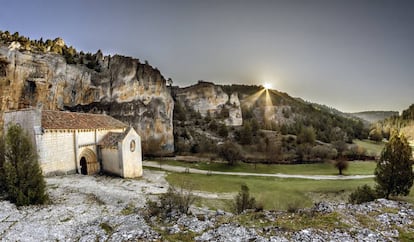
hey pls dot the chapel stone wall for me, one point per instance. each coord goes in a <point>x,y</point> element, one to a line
<point>56,152</point>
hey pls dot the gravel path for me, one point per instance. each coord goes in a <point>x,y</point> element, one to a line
<point>279,175</point>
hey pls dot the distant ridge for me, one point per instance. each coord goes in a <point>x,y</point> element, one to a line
<point>375,116</point>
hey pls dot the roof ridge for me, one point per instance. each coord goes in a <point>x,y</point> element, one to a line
<point>82,113</point>
<point>53,119</point>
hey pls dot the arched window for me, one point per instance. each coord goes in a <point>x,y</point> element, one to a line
<point>132,146</point>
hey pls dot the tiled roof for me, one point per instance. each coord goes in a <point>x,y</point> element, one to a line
<point>71,120</point>
<point>112,139</point>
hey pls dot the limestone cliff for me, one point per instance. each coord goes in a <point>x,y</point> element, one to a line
<point>122,87</point>
<point>209,99</point>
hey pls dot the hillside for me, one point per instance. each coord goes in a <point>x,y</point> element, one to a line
<point>374,116</point>
<point>277,110</point>
<point>206,115</point>
<point>404,123</point>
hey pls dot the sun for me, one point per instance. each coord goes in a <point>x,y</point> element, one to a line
<point>267,85</point>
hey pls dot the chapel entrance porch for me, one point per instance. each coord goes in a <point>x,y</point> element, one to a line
<point>88,162</point>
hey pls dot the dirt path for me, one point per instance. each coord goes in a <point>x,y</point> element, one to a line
<point>279,175</point>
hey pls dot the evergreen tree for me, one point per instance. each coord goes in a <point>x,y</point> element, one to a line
<point>394,173</point>
<point>246,134</point>
<point>306,135</point>
<point>23,179</point>
<point>223,131</point>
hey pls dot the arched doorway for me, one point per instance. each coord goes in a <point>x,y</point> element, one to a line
<point>88,162</point>
<point>84,167</point>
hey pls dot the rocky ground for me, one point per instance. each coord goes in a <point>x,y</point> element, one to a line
<point>85,208</point>
<point>88,208</point>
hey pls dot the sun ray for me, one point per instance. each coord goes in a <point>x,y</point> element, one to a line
<point>268,110</point>
<point>250,100</point>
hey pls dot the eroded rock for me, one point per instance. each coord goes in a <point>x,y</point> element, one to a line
<point>133,92</point>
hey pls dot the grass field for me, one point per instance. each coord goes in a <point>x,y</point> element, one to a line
<point>273,193</point>
<point>372,147</point>
<point>355,168</point>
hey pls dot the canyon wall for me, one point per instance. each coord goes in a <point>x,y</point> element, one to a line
<point>122,87</point>
<point>210,99</point>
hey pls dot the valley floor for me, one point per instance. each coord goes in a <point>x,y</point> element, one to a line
<point>102,208</point>
<point>278,175</point>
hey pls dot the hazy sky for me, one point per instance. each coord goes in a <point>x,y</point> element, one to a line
<point>353,55</point>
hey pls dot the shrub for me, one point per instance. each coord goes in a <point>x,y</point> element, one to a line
<point>355,152</point>
<point>294,206</point>
<point>172,201</point>
<point>152,209</point>
<point>107,228</point>
<point>323,152</point>
<point>223,132</point>
<point>23,180</point>
<point>243,200</point>
<point>230,152</point>
<point>362,194</point>
<point>213,125</point>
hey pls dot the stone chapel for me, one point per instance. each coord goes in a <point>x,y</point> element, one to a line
<point>69,142</point>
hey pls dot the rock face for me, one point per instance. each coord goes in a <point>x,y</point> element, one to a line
<point>123,87</point>
<point>209,99</point>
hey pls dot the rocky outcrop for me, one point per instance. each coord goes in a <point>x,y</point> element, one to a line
<point>209,99</point>
<point>122,87</point>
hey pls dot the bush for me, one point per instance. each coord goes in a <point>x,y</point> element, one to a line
<point>230,152</point>
<point>223,132</point>
<point>294,206</point>
<point>152,209</point>
<point>213,126</point>
<point>243,200</point>
<point>363,194</point>
<point>170,202</point>
<point>21,174</point>
<point>323,152</point>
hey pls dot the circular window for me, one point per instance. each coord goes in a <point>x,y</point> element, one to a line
<point>132,145</point>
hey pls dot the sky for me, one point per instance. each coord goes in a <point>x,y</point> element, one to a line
<point>353,55</point>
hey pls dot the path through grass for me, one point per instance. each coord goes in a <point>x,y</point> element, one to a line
<point>273,193</point>
<point>355,168</point>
